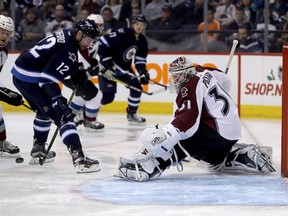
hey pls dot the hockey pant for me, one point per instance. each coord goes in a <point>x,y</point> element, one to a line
<point>109,89</point>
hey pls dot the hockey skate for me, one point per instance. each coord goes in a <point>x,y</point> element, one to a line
<point>38,151</point>
<point>134,119</point>
<point>93,126</point>
<point>133,170</point>
<point>82,163</point>
<point>8,150</point>
<point>79,118</point>
<point>248,158</point>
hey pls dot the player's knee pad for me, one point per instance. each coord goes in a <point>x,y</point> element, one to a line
<point>87,91</point>
<point>107,98</point>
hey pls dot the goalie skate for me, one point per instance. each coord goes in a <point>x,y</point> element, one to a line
<point>83,164</point>
<point>132,170</point>
<point>8,150</point>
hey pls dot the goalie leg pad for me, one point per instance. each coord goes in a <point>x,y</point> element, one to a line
<point>247,158</point>
<point>160,141</point>
<point>133,170</point>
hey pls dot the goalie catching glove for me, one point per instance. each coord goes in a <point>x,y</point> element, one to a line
<point>10,97</point>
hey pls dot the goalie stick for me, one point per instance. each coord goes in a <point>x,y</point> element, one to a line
<point>232,51</point>
<point>42,159</point>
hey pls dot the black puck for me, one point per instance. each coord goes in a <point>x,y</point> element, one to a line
<point>19,160</point>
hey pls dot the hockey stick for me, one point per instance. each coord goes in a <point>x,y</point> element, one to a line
<point>42,159</point>
<point>154,82</point>
<point>235,42</point>
<point>125,84</point>
<point>157,83</point>
<point>28,107</point>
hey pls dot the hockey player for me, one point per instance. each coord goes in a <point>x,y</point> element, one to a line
<point>205,126</point>
<point>6,95</point>
<point>37,73</point>
<point>87,101</point>
<point>116,52</point>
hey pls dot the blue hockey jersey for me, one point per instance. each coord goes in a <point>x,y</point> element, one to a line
<point>121,47</point>
<point>50,60</point>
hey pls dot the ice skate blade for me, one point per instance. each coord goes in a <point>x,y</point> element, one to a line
<point>35,161</point>
<point>91,130</point>
<point>8,155</point>
<point>83,169</point>
<point>135,124</point>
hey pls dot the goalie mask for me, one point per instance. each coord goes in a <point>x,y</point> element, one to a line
<point>6,23</point>
<point>180,71</point>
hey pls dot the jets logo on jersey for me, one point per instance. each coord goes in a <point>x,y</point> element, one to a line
<point>72,57</point>
<point>129,53</point>
<point>184,92</point>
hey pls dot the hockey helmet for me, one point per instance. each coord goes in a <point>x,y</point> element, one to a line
<point>139,18</point>
<point>89,28</point>
<point>7,24</point>
<point>97,18</point>
<point>180,71</point>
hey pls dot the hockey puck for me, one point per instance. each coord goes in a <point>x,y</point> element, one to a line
<point>19,160</point>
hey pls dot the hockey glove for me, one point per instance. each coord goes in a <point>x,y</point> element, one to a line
<point>61,109</point>
<point>108,69</point>
<point>10,97</point>
<point>94,68</point>
<point>144,78</point>
<point>80,77</point>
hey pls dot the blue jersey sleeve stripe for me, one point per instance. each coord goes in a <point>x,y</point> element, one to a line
<point>49,77</point>
<point>25,76</point>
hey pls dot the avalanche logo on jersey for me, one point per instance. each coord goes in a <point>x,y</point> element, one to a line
<point>72,57</point>
<point>184,92</point>
<point>129,53</point>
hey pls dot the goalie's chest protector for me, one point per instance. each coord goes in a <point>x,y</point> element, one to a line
<point>202,99</point>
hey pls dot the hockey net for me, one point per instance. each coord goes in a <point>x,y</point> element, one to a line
<point>284,138</point>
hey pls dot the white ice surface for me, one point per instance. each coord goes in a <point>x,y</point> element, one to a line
<point>56,189</point>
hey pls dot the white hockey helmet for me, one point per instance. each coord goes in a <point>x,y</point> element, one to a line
<point>180,71</point>
<point>7,24</point>
<point>97,18</point>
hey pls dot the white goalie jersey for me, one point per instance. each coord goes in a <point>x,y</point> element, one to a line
<point>203,99</point>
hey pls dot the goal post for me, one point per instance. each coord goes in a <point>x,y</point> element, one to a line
<point>284,136</point>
